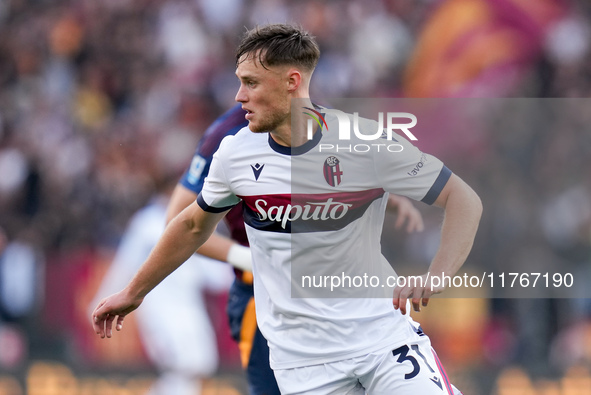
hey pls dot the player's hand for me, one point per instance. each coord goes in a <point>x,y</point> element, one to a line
<point>406,213</point>
<point>418,289</point>
<point>116,306</point>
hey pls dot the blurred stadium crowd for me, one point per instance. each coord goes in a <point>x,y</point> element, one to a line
<point>100,102</point>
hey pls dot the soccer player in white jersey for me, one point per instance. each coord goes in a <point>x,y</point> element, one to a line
<point>335,345</point>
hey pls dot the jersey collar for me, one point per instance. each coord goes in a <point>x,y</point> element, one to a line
<point>302,149</point>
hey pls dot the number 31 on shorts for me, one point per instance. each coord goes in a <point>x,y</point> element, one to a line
<point>429,367</point>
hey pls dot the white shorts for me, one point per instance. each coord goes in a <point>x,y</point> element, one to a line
<point>408,370</point>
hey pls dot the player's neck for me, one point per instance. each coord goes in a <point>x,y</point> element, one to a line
<point>282,136</point>
<point>293,133</point>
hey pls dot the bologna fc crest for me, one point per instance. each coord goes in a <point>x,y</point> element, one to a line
<point>332,171</point>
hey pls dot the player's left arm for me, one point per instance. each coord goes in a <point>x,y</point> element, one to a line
<point>463,210</point>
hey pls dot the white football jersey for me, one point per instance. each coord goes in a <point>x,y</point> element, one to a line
<point>314,212</point>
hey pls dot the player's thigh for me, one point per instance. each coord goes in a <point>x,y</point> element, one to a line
<point>324,379</point>
<point>408,370</point>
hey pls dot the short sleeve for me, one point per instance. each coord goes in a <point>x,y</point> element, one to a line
<point>404,170</point>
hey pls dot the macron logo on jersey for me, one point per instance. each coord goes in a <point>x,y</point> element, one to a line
<point>256,169</point>
<point>437,382</point>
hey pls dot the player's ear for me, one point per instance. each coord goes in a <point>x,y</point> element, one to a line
<point>294,80</point>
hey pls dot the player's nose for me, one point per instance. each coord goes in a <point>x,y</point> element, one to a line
<point>241,95</point>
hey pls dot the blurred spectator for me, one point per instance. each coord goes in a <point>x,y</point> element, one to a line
<point>21,278</point>
<point>21,293</point>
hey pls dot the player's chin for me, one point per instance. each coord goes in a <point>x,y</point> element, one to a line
<point>257,128</point>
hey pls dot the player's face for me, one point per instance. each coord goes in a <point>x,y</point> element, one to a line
<point>264,95</point>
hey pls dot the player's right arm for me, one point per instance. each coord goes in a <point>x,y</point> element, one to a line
<point>185,234</point>
<point>217,246</point>
<point>180,199</point>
